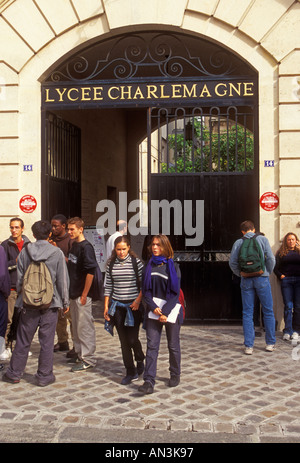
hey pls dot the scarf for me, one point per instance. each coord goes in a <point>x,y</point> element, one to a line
<point>172,286</point>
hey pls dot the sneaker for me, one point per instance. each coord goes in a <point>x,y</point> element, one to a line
<point>270,347</point>
<point>129,378</point>
<point>140,367</point>
<point>74,360</point>
<point>174,381</point>
<point>82,366</point>
<point>295,336</point>
<point>286,337</point>
<point>146,388</point>
<point>248,350</point>
<point>6,354</point>
<point>7,379</point>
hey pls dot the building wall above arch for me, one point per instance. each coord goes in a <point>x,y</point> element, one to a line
<point>35,34</point>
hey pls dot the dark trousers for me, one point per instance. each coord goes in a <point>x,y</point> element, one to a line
<point>154,330</point>
<point>31,320</point>
<point>3,315</point>
<point>129,339</point>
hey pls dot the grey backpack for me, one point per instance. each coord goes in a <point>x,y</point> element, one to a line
<point>37,289</point>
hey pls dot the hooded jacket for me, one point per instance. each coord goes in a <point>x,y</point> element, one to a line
<point>12,253</point>
<point>266,249</point>
<point>43,251</point>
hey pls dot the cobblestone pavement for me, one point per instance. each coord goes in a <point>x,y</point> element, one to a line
<point>222,392</point>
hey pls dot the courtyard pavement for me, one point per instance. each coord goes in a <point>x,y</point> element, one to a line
<point>223,396</point>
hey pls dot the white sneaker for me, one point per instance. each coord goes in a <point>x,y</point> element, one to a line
<point>248,350</point>
<point>286,337</point>
<point>295,335</point>
<point>270,347</point>
<point>6,354</point>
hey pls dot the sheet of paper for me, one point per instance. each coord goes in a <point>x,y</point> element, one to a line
<point>172,317</point>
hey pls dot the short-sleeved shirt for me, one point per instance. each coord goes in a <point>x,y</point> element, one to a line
<point>81,262</point>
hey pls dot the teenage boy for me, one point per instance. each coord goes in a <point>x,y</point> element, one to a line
<point>12,247</point>
<point>61,238</point>
<point>4,293</point>
<point>81,265</point>
<point>33,319</point>
<point>255,286</point>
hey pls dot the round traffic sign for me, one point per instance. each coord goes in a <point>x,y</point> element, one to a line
<point>269,201</point>
<point>27,204</point>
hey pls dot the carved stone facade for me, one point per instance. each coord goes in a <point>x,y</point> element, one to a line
<point>36,36</point>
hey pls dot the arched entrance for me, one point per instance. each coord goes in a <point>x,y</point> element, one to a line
<point>199,102</point>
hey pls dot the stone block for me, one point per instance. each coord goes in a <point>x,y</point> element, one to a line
<point>289,172</point>
<point>8,124</point>
<point>288,28</point>
<point>88,8</point>
<point>129,12</point>
<point>291,64</point>
<point>13,50</point>
<point>231,11</point>
<point>59,13</point>
<point>8,97</point>
<point>22,15</point>
<point>261,17</point>
<point>7,75</point>
<point>9,150</point>
<point>290,200</point>
<point>289,116</point>
<point>9,176</point>
<point>289,89</point>
<point>289,223</point>
<point>289,144</point>
<point>205,6</point>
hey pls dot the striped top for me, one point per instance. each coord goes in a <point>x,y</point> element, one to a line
<point>124,280</point>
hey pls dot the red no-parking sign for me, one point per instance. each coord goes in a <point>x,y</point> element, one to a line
<point>269,201</point>
<point>27,204</point>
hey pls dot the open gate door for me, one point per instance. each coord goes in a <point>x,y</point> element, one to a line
<point>204,156</point>
<point>61,187</point>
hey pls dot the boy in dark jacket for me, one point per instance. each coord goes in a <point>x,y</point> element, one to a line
<point>12,247</point>
<point>4,293</point>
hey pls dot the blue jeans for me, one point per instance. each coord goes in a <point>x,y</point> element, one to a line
<point>290,288</point>
<point>153,330</point>
<point>261,287</point>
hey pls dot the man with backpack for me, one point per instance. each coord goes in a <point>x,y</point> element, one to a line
<point>252,260</point>
<point>43,288</point>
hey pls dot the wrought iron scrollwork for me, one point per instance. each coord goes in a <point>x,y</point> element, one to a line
<point>148,54</point>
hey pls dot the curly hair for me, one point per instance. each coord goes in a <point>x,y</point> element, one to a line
<point>283,250</point>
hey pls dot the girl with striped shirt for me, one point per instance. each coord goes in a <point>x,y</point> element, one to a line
<point>122,299</point>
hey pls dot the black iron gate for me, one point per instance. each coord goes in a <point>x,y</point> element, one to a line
<point>210,155</point>
<point>61,169</point>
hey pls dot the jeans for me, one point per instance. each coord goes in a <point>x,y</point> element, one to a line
<point>261,287</point>
<point>154,329</point>
<point>290,288</point>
